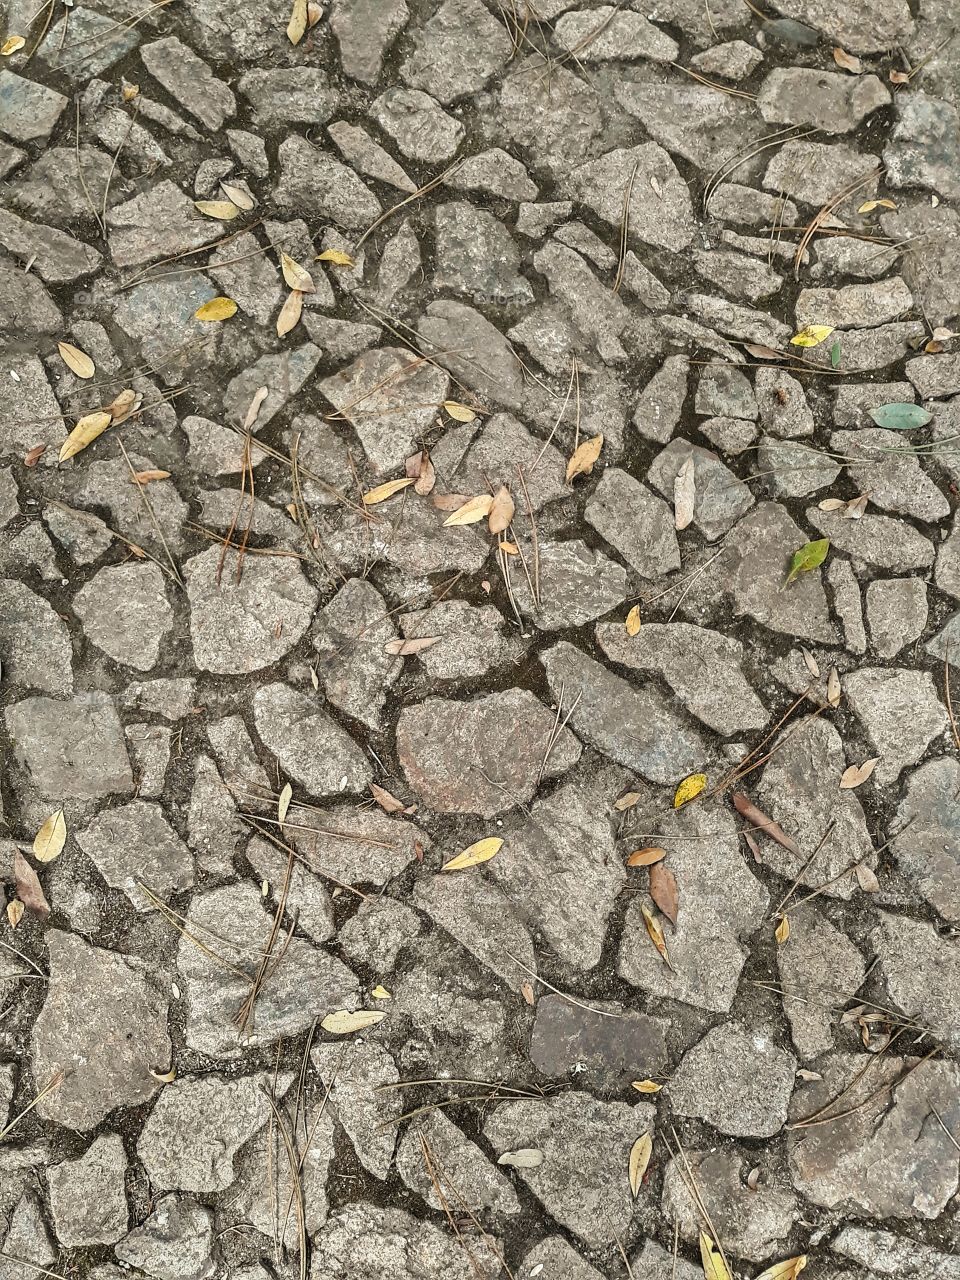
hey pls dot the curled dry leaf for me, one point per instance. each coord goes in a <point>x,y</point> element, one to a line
<point>384,491</point>
<point>632,621</point>
<point>472,511</point>
<point>216,309</point>
<point>283,804</point>
<point>747,809</point>
<point>811,335</point>
<point>447,501</point>
<point>242,199</point>
<point>526,990</point>
<point>664,891</point>
<point>782,931</point>
<point>689,789</point>
<point>345,1021</point>
<point>28,886</point>
<point>522,1158</point>
<point>833,687</point>
<point>788,1270</point>
<point>87,430</point>
<point>12,44</point>
<point>387,802</point>
<point>224,210</point>
<point>508,548</point>
<point>123,405</point>
<point>336,256</point>
<point>147,477</point>
<point>77,361</point>
<point>381,993</point>
<point>646,1086</point>
<point>290,312</point>
<point>646,857</point>
<point>867,881</point>
<point>459,412</point>
<point>857,773</point>
<point>684,494</point>
<point>297,26</point>
<point>868,206</point>
<point>714,1266</point>
<point>165,1077</point>
<point>129,91</point>
<point>49,841</point>
<point>656,932</point>
<point>807,1076</point>
<point>33,456</point>
<point>474,854</point>
<point>584,456</point>
<point>501,513</point>
<point>14,912</point>
<point>626,801</point>
<point>847,61</point>
<point>640,1154</point>
<point>753,1178</point>
<point>314,13</point>
<point>407,648</point>
<point>297,277</point>
<point>421,470</point>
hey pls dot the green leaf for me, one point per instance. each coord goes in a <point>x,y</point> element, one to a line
<point>901,417</point>
<point>810,556</point>
<point>835,355</point>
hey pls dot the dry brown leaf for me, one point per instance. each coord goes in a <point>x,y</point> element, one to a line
<point>655,931</point>
<point>646,1086</point>
<point>283,804</point>
<point>14,912</point>
<point>640,1154</point>
<point>664,890</point>
<point>584,456</point>
<point>868,206</point>
<point>626,801</point>
<point>788,1270</point>
<point>297,277</point>
<point>49,841</point>
<point>242,199</point>
<point>747,809</point>
<point>28,886</point>
<point>472,511</point>
<point>216,309</point>
<point>123,405</point>
<point>646,857</point>
<point>474,854</point>
<point>684,494</point>
<point>508,548</point>
<point>336,256</point>
<point>346,1021</point>
<point>782,931</point>
<point>165,1077</point>
<point>77,361</point>
<point>526,990</point>
<point>761,352</point>
<point>448,501</point>
<point>387,802</point>
<point>421,470</point>
<point>899,77</point>
<point>84,433</point>
<point>832,504</point>
<point>147,477</point>
<point>632,621</point>
<point>501,513</point>
<point>856,507</point>
<point>314,13</point>
<point>384,491</point>
<point>224,210</point>
<point>857,773</point>
<point>867,881</point>
<point>290,312</point>
<point>33,456</point>
<point>847,61</point>
<point>259,396</point>
<point>752,846</point>
<point>459,412</point>
<point>711,1259</point>
<point>833,687</point>
<point>812,665</point>
<point>297,26</point>
<point>406,648</point>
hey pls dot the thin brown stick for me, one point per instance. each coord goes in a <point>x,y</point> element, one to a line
<point>603,1013</point>
<point>55,1081</point>
<point>296,1182</point>
<point>141,488</point>
<point>625,228</point>
<point>416,195</point>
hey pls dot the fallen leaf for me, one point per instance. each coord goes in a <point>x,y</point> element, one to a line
<point>146,477</point>
<point>899,77</point>
<point>472,511</point>
<point>297,277</point>
<point>811,663</point>
<point>242,199</point>
<point>474,854</point>
<point>857,773</point>
<point>459,412</point>
<point>584,456</point>
<point>216,309</point>
<point>901,417</point>
<point>747,809</point>
<point>868,206</point>
<point>123,405</point>
<point>761,352</point>
<point>33,456</point>
<point>259,396</point>
<point>811,335</point>
<point>664,891</point>
<point>314,13</point>
<point>847,61</point>
<point>632,622</point>
<point>14,912</point>
<point>646,857</point>
<point>225,210</point>
<point>689,789</point>
<point>753,1178</point>
<point>714,1267</point>
<point>526,990</point>
<point>297,25</point>
<point>782,931</point>
<point>283,805</point>
<point>753,846</point>
<point>942,334</point>
<point>684,494</point>
<point>788,1270</point>
<point>646,1086</point>
<point>448,501</point>
<point>867,881</point>
<point>406,648</point>
<point>11,45</point>
<point>522,1158</point>
<point>832,504</point>
<point>290,312</point>
<point>810,556</point>
<point>626,801</point>
<point>384,491</point>
<point>345,1021</point>
<point>657,189</point>
<point>77,361</point>
<point>49,841</point>
<point>835,353</point>
<point>336,256</point>
<point>833,687</point>
<point>508,548</point>
<point>165,1077</point>
<point>421,470</point>
<point>807,1076</point>
<point>28,886</point>
<point>387,802</point>
<point>655,932</point>
<point>129,91</point>
<point>381,993</point>
<point>640,1154</point>
<point>85,432</point>
<point>501,513</point>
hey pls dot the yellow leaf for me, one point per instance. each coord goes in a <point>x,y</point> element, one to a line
<point>11,45</point>
<point>129,91</point>
<point>472,511</point>
<point>633,621</point>
<point>297,277</point>
<point>290,312</point>
<point>222,209</point>
<point>501,513</point>
<point>811,335</point>
<point>283,805</point>
<point>459,412</point>
<point>714,1267</point>
<point>77,361</point>
<point>49,841</point>
<point>237,194</point>
<point>584,456</point>
<point>14,912</point>
<point>336,256</point>
<point>646,857</point>
<point>868,206</point>
<point>689,789</point>
<point>297,25</point>
<point>788,1270</point>
<point>655,931</point>
<point>782,931</point>
<point>474,854</point>
<point>384,491</point>
<point>646,1086</point>
<point>216,309</point>
<point>343,1022</point>
<point>640,1154</point>
<point>381,993</point>
<point>84,433</point>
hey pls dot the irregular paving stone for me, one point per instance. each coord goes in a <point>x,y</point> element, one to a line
<point>664,220</point>
<point>928,849</point>
<point>362,1240</point>
<point>30,111</point>
<point>874,348</point>
<point>457,760</point>
<point>935,376</point>
<point>472,641</point>
<point>795,470</point>
<point>70,748</point>
<point>692,120</point>
<point>463,1166</point>
<point>901,711</point>
<point>296,95</point>
<point>190,81</point>
<point>492,459</point>
<point>738,275</point>
<point>134,845</point>
<point>704,669</point>
<point>465,911</point>
<point>883,26</point>
<point>125,612</point>
<point>577,585</point>
<point>149,748</point>
<point>86,43</point>
<point>720,497</point>
<point>854,306</point>
<point>947,573</point>
<point>355,672</point>
<point>820,968</point>
<point>158,223</point>
<point>888,1255</point>
<point>418,545</point>
<point>921,970</point>
<point>242,627</point>
<point>751,1224</point>
<point>57,257</point>
<point>87,1197</point>
<point>378,933</point>
<point>825,99</point>
<point>813,172</point>
<point>607,34</point>
<point>881,1158</point>
<point>475,256</point>
<point>365,29</point>
<point>27,1245</point>
<point>734,60</point>
<point>599,314</point>
<point>730,435</point>
<point>636,726</point>
<point>310,745</point>
<point>176,1242</point>
<point>196,1128</point>
<point>891,545</point>
<point>476,353</point>
<point>161,316</point>
<point>37,653</point>
<point>567,1038</point>
<point>313,183</point>
<point>306,894</point>
<point>896,613</point>
<point>586,1144</point>
<point>634,522</point>
<point>736,1079</point>
<point>554,1257</point>
<point>418,125</point>
<point>495,172</point>
<point>798,790</point>
<point>847,603</point>
<point>358,1075</point>
<point>741,323</point>
<point>660,405</point>
<point>734,202</point>
<point>29,413</point>
<point>364,845</point>
<point>932,272</point>
<point>104,1022</point>
<point>457,50</point>
<point>29,309</point>
<point>923,151</point>
<point>654,1263</point>
<point>725,390</point>
<point>558,121</point>
<point>248,277</point>
<point>283,375</point>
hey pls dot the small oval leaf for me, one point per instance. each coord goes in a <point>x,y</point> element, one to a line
<point>689,789</point>
<point>225,210</point>
<point>646,857</point>
<point>810,556</point>
<point>459,412</point>
<point>49,841</point>
<point>584,456</point>
<point>522,1158</point>
<point>474,854</point>
<point>901,417</point>
<point>77,361</point>
<point>632,622</point>
<point>344,1022</point>
<point>216,309</point>
<point>640,1154</point>
<point>472,512</point>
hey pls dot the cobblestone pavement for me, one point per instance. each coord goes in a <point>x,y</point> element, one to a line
<point>404,447</point>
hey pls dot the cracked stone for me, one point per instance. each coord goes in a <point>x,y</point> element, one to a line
<point>189,80</point>
<point>896,613</point>
<point>795,470</point>
<point>283,375</point>
<point>606,34</point>
<point>37,653</point>
<point>847,603</point>
<point>921,969</point>
<point>782,401</point>
<point>813,172</point>
<point>495,172</point>
<point>357,1072</point>
<point>577,585</point>
<point>368,157</point>
<point>692,120</point>
<point>365,30</point>
<point>378,933</point>
<point>29,412</point>
<point>664,220</point>
<point>355,672</point>
<point>888,1255</point>
<point>465,910</point>
<point>901,711</point>
<point>634,522</point>
<point>738,275</point>
<point>149,748</point>
<point>314,184</point>
<point>357,845</point>
<point>720,497</point>
<point>567,1038</point>
<point>418,125</point>
<point>658,410</point>
<point>891,545</point>
<point>476,353</point>
<point>827,100</point>
<point>158,223</point>
<point>464,1165</point>
<point>87,1197</point>
<point>71,748</point>
<point>472,641</point>
<point>57,257</point>
<point>734,60</point>
<point>125,612</point>
<point>736,1079</point>
<point>294,95</point>
<point>819,967</point>
<point>457,50</point>
<point>600,315</point>
<point>875,30</point>
<point>854,306</point>
<point>365,1240</point>
<point>501,446</point>
<point>558,122</point>
<point>923,150</point>
<point>749,207</point>
<point>929,852</point>
<point>133,845</point>
<point>30,111</point>
<point>27,1244</point>
<point>176,1242</point>
<point>307,895</point>
<point>741,323</point>
<point>731,435</point>
<point>253,282</point>
<point>725,390</point>
<point>310,746</point>
<point>476,256</point>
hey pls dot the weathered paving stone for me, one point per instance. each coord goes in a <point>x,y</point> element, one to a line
<point>722,904</point>
<point>37,653</point>
<point>365,1239</point>
<point>499,448</point>
<point>300,95</point>
<point>465,913</point>
<point>665,221</point>
<point>687,118</point>
<point>820,968</point>
<point>827,100</point>
<point>895,483</point>
<point>283,375</point>
<point>27,1240</point>
<point>896,613</point>
<point>365,29</point>
<point>555,1257</point>
<point>457,760</point>
<point>495,172</point>
<point>315,184</point>
<point>176,1242</point>
<point>610,1050</point>
<point>658,410</point>
<point>923,150</point>
<point>847,603</point>
<point>888,544</point>
<point>355,672</point>
<point>477,257</point>
<point>812,172</point>
<point>583,1141</point>
<point>720,497</point>
<point>901,711</point>
<point>30,110</point>
<point>473,640</point>
<point>927,847</point>
<point>476,1178</point>
<point>889,1255</point>
<point>134,845</point>
<point>189,80</point>
<point>58,257</point>
<point>473,350</point>
<point>456,51</point>
<point>125,612</point>
<point>734,60</point>
<point>736,1079</point>
<point>658,1264</point>
<point>617,35</point>
<point>921,969</point>
<point>104,1023</point>
<point>795,470</point>
<point>311,747</point>
<point>634,522</point>
<point>359,1074</point>
<point>558,123</point>
<point>88,1202</point>
<point>854,306</point>
<point>71,748</point>
<point>577,585</point>
<point>418,125</point>
<point>158,223</point>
